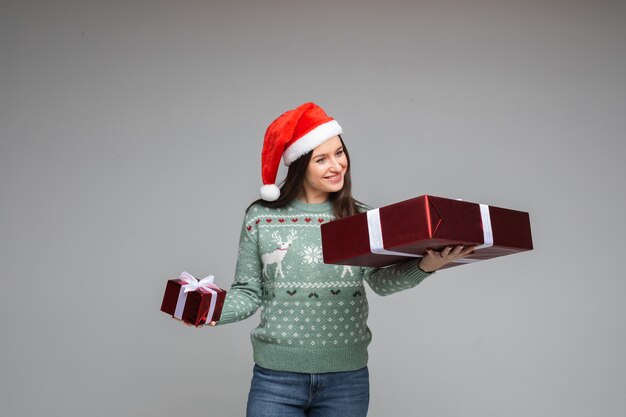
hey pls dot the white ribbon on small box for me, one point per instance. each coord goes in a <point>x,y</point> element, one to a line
<point>378,247</point>
<point>192,284</point>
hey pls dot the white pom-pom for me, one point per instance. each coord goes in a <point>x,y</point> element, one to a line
<point>270,192</point>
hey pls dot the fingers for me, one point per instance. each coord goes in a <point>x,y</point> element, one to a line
<point>439,254</point>
<point>434,260</point>
<point>451,252</point>
<point>468,250</point>
<point>457,250</point>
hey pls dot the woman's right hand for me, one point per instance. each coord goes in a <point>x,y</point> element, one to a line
<point>212,324</point>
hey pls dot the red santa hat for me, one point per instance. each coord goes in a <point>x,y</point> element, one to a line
<point>293,134</point>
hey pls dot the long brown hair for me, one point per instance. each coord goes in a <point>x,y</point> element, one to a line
<point>344,204</point>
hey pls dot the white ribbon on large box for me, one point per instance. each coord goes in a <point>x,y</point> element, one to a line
<point>192,284</point>
<point>377,245</point>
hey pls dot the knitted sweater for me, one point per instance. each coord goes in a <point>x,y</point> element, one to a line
<point>313,315</point>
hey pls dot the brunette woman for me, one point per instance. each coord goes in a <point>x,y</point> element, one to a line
<point>310,347</point>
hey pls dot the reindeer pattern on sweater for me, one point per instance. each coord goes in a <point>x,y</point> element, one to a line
<point>313,315</point>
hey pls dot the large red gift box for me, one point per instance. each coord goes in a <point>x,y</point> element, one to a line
<point>192,301</point>
<point>404,230</point>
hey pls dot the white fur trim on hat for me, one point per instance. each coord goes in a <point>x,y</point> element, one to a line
<point>270,192</point>
<point>311,140</point>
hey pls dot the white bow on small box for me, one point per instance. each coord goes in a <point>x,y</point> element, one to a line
<point>193,284</point>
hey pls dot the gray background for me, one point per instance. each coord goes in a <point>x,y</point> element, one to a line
<point>130,141</point>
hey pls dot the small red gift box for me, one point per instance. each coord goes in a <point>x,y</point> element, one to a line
<point>192,301</point>
<point>404,230</point>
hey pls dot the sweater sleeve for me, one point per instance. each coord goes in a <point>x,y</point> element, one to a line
<point>399,277</point>
<point>386,281</point>
<point>244,296</point>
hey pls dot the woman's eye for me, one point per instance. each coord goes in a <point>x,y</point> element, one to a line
<point>339,153</point>
<point>319,161</point>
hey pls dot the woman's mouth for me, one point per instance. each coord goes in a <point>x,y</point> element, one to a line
<point>333,178</point>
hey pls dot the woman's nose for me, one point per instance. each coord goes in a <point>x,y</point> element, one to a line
<point>334,164</point>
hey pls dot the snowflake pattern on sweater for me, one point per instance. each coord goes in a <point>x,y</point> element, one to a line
<point>313,315</point>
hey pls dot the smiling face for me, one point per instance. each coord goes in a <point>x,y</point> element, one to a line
<point>325,171</point>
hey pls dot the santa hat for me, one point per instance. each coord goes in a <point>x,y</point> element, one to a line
<point>293,134</point>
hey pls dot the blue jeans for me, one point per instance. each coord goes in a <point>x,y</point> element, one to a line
<point>291,394</point>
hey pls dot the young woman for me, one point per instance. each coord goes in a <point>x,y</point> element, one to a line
<point>310,347</point>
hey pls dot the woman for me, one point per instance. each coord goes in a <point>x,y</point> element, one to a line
<point>310,348</point>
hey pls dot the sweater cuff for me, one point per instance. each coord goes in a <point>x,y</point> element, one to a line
<point>420,268</point>
<point>226,317</point>
<point>413,272</point>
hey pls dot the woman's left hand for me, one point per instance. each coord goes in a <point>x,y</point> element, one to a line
<point>434,260</point>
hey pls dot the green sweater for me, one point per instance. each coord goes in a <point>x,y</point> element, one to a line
<point>313,315</point>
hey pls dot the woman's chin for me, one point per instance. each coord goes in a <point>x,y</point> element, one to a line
<point>335,187</point>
